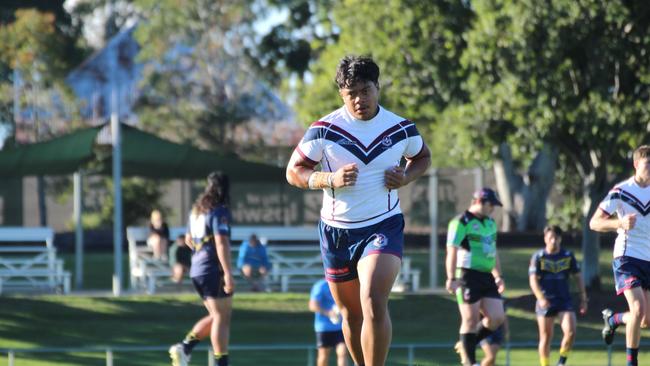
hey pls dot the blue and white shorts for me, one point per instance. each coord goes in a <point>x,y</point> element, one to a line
<point>343,248</point>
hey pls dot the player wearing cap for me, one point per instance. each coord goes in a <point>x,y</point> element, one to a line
<point>474,271</point>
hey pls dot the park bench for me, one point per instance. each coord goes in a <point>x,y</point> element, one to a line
<point>28,261</point>
<point>293,265</point>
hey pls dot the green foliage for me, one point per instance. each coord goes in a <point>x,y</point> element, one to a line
<point>417,45</point>
<point>568,72</point>
<point>289,47</point>
<point>139,197</point>
<point>195,81</point>
<point>32,43</point>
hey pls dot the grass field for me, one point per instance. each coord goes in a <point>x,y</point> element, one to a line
<point>81,321</point>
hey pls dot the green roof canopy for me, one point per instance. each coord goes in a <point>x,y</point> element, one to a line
<point>143,155</point>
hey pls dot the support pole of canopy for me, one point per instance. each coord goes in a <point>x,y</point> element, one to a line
<point>79,233</point>
<point>117,195</point>
<point>433,222</point>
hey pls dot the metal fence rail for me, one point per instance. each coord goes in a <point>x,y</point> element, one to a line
<point>410,348</point>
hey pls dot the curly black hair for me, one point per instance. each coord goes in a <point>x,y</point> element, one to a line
<point>352,69</point>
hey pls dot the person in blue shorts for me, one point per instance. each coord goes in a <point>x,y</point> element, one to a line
<point>549,273</point>
<point>490,344</point>
<point>327,325</point>
<point>253,262</point>
<point>359,148</point>
<point>625,210</point>
<point>211,270</point>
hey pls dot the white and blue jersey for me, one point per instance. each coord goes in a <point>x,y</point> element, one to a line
<point>320,293</point>
<point>375,146</point>
<point>202,229</point>
<point>627,198</point>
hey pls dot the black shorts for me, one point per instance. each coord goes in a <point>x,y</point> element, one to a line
<point>329,339</point>
<point>555,307</point>
<point>210,286</point>
<point>476,285</point>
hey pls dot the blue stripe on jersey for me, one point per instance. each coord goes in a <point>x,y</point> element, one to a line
<point>383,142</point>
<point>632,201</point>
<point>411,131</point>
<point>345,143</point>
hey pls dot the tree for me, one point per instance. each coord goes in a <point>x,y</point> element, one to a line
<point>33,46</point>
<point>568,75</point>
<point>197,82</point>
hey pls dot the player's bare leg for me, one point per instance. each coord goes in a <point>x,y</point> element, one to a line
<point>469,318</point>
<point>568,324</point>
<point>341,355</point>
<point>636,301</point>
<point>493,311</point>
<point>377,274</point>
<point>545,327</point>
<point>220,311</point>
<point>490,351</point>
<point>323,356</point>
<point>346,295</point>
<point>202,327</point>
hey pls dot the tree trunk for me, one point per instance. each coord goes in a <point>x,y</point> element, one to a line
<point>524,199</point>
<point>537,188</point>
<point>594,188</point>
<point>509,185</point>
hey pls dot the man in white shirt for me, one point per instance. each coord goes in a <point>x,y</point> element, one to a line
<point>625,210</point>
<point>359,148</point>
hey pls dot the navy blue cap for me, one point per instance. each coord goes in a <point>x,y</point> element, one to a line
<point>488,195</point>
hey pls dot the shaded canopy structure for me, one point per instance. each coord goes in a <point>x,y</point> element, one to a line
<point>143,155</point>
<point>140,154</point>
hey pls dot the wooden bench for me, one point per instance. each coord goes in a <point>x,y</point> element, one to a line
<point>31,265</point>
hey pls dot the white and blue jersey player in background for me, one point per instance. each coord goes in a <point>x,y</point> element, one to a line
<point>359,148</point>
<point>327,325</point>
<point>211,271</point>
<point>625,210</point>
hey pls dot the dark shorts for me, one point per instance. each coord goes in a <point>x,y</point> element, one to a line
<point>554,308</point>
<point>210,286</point>
<point>343,248</point>
<point>630,272</point>
<point>495,338</point>
<point>476,285</point>
<point>329,339</point>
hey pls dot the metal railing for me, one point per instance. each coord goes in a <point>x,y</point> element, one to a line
<point>410,348</point>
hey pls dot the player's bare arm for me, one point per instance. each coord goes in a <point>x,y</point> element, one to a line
<point>584,300</point>
<point>300,171</point>
<point>533,280</point>
<point>496,272</point>
<point>222,244</point>
<point>603,222</point>
<point>397,176</point>
<point>450,264</point>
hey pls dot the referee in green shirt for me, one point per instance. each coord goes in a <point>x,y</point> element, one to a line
<point>474,272</point>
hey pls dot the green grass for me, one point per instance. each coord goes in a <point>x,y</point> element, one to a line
<point>78,321</point>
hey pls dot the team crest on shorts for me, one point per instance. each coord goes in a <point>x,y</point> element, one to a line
<point>380,240</point>
<point>466,294</point>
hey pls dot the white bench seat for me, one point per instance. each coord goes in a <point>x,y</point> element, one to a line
<point>32,266</point>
